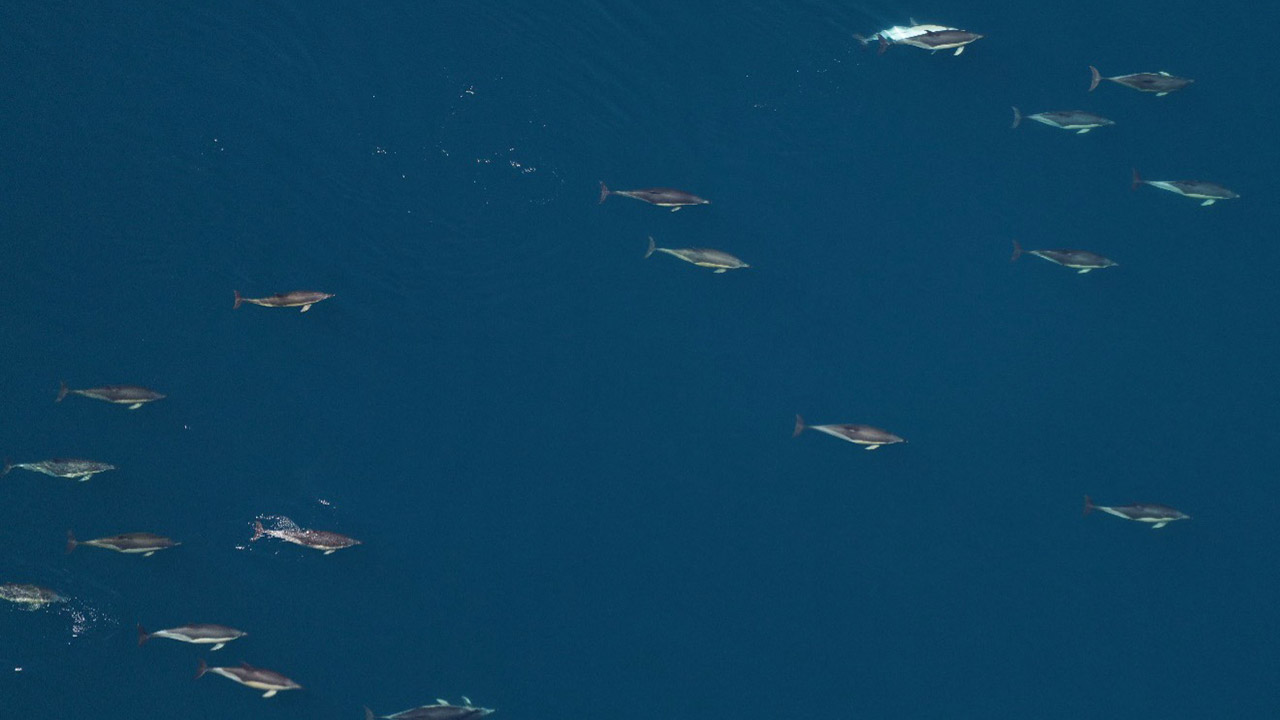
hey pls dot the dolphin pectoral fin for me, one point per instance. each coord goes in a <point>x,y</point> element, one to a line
<point>217,647</point>
<point>1208,202</point>
<point>328,552</point>
<point>871,447</point>
<point>135,406</point>
<point>959,50</point>
<point>1161,94</point>
<point>149,554</point>
<point>676,208</point>
<point>1158,525</point>
<point>86,477</point>
<point>269,693</point>
<point>1082,131</point>
<point>1082,271</point>
<point>718,272</point>
<point>305,307</point>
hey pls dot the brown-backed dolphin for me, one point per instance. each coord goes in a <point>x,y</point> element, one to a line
<point>288,531</point>
<point>69,468</point>
<point>662,197</point>
<point>1160,515</point>
<point>865,435</point>
<point>1209,192</point>
<point>142,543</point>
<point>441,710</point>
<point>1078,120</point>
<point>130,395</point>
<point>702,257</point>
<point>294,298</point>
<point>199,634</point>
<point>1161,83</point>
<point>1082,261</point>
<point>30,597</point>
<point>250,676</point>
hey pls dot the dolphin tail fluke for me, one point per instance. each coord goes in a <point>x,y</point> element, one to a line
<point>62,391</point>
<point>861,39</point>
<point>799,428</point>
<point>368,714</point>
<point>1137,180</point>
<point>71,542</point>
<point>7,467</point>
<point>1017,118</point>
<point>143,635</point>
<point>201,669</point>
<point>258,531</point>
<point>1088,505</point>
<point>238,300</point>
<point>1097,78</point>
<point>652,246</point>
<point>884,45</point>
<point>1017,251</point>
<point>604,192</point>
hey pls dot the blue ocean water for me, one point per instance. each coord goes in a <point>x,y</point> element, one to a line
<point>571,468</point>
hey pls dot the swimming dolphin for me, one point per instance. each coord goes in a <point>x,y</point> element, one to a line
<point>142,543</point>
<point>288,531</point>
<point>1161,83</point>
<point>293,298</point>
<point>441,710</point>
<point>865,435</point>
<point>662,197</point>
<point>31,597</point>
<point>1160,515</point>
<point>248,675</point>
<point>130,395</point>
<point>702,257</point>
<point>1082,261</point>
<point>199,634</point>
<point>81,470</point>
<point>1206,191</point>
<point>1078,120</point>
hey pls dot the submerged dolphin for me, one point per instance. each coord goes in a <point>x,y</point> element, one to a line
<point>131,395</point>
<point>250,676</point>
<point>1198,189</point>
<point>865,435</point>
<point>1078,120</point>
<point>441,710</point>
<point>136,543</point>
<point>1082,261</point>
<point>288,531</point>
<point>662,197</point>
<point>198,634</point>
<point>1161,83</point>
<point>720,260</point>
<point>1160,515</point>
<point>73,469</point>
<point>294,298</point>
<point>31,597</point>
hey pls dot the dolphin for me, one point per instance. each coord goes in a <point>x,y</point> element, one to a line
<point>130,395</point>
<point>662,197</point>
<point>288,531</point>
<point>1078,120</point>
<point>865,435</point>
<point>1159,515</point>
<point>248,675</point>
<point>1209,192</point>
<point>1161,83</point>
<point>1082,261</point>
<point>293,298</point>
<point>142,543</point>
<point>31,597</point>
<point>441,710</point>
<point>199,634</point>
<point>702,257</point>
<point>81,470</point>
